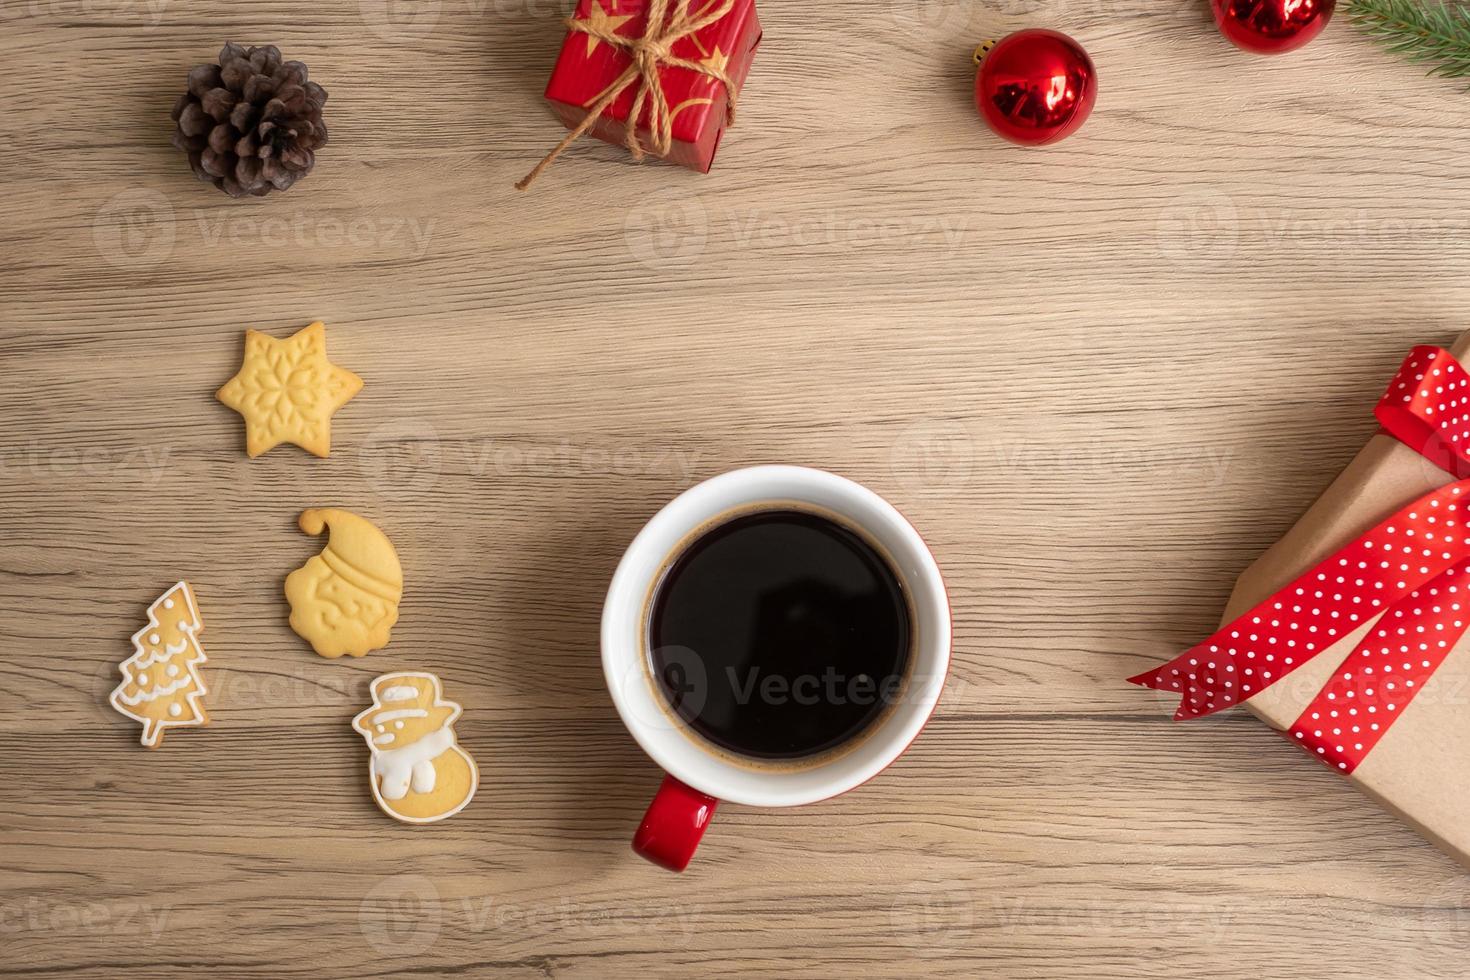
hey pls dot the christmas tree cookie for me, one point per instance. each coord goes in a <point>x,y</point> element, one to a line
<point>345,600</point>
<point>161,684</point>
<point>419,774</point>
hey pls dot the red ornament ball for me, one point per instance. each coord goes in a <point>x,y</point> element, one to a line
<point>1271,26</point>
<point>1035,87</point>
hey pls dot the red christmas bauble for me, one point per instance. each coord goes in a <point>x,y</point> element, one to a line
<point>1271,26</point>
<point>1034,86</point>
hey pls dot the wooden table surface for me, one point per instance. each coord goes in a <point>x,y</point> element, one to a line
<point>1100,378</point>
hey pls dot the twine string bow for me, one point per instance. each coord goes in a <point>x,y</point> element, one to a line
<point>650,52</point>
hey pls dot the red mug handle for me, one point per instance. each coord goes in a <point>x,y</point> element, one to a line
<point>673,825</point>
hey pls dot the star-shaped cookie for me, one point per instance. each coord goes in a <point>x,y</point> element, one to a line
<point>287,391</point>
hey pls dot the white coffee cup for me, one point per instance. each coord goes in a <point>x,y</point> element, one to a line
<point>698,777</point>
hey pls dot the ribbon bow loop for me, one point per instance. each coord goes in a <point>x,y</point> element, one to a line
<point>1409,577</point>
<point>1427,408</point>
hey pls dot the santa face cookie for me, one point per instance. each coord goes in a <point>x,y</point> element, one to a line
<point>161,684</point>
<point>418,772</point>
<point>345,600</point>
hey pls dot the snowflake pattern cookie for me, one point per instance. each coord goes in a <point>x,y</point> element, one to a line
<point>345,600</point>
<point>287,391</point>
<point>419,774</point>
<point>161,684</point>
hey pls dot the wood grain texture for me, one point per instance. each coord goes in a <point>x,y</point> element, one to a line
<point>1100,379</point>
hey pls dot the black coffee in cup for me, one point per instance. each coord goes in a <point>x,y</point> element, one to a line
<point>780,634</point>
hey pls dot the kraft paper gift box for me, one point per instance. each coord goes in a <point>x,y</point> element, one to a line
<point>1419,765</point>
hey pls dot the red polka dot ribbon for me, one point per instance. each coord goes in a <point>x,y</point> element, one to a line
<point>1411,574</point>
<point>1427,408</point>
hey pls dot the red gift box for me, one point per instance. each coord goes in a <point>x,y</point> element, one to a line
<point>697,104</point>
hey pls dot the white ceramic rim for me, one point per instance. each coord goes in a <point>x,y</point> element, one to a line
<point>623,644</point>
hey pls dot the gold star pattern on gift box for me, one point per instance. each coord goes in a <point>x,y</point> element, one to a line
<point>717,59</point>
<point>603,21</point>
<point>287,391</point>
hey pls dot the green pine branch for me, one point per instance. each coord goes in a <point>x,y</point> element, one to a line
<point>1431,31</point>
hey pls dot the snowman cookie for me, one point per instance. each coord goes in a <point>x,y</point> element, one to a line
<point>418,771</point>
<point>345,600</point>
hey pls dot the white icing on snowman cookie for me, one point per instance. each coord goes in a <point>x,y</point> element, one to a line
<point>419,773</point>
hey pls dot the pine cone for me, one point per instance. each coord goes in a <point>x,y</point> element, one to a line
<point>252,123</point>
